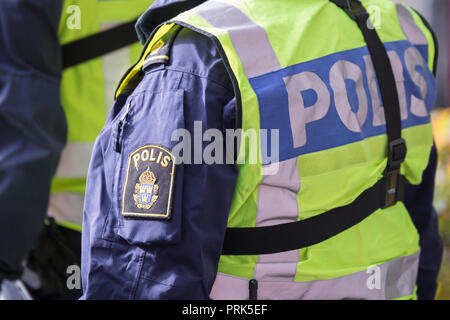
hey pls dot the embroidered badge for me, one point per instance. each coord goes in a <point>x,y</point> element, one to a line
<point>149,183</point>
<point>146,192</point>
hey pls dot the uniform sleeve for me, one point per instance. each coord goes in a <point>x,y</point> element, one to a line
<point>32,124</point>
<point>158,191</point>
<point>419,202</point>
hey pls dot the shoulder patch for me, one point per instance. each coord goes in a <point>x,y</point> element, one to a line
<point>147,193</point>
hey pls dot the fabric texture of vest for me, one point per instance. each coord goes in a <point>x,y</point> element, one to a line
<point>306,72</point>
<point>87,91</point>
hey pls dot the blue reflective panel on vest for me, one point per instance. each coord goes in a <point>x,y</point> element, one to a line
<point>334,100</point>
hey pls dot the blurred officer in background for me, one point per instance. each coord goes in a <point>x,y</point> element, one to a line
<point>341,210</point>
<point>60,63</point>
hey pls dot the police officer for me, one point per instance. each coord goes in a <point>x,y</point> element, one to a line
<point>337,204</point>
<point>33,126</point>
<point>52,51</point>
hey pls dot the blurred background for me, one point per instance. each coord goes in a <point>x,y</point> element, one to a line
<point>437,12</point>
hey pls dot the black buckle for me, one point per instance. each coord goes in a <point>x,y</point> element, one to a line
<point>397,154</point>
<point>392,190</point>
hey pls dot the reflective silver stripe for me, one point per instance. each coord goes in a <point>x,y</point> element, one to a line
<point>280,186</point>
<point>249,39</point>
<point>412,32</point>
<point>74,162</point>
<point>277,204</point>
<point>397,279</point>
<point>277,193</point>
<point>66,207</point>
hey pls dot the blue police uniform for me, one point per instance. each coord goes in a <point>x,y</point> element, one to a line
<point>183,257</point>
<point>32,123</point>
<point>177,258</point>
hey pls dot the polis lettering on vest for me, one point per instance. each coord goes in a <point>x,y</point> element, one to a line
<point>339,74</point>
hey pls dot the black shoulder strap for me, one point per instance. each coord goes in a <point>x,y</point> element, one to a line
<point>388,90</point>
<point>385,193</point>
<point>98,44</point>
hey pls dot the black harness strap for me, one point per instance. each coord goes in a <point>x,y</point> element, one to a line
<point>305,233</point>
<point>98,44</point>
<point>385,193</point>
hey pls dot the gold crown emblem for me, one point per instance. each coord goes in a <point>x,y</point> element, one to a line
<point>147,177</point>
<point>146,191</point>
